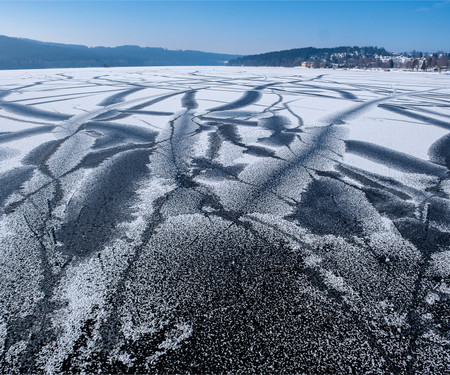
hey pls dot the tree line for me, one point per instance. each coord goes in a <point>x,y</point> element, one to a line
<point>17,53</point>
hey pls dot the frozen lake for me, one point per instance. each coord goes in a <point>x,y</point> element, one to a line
<point>203,220</point>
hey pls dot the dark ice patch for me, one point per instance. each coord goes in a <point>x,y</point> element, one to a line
<point>327,208</point>
<point>12,181</point>
<point>275,123</point>
<point>439,151</point>
<point>188,100</point>
<point>248,98</point>
<point>278,139</point>
<point>147,113</point>
<point>343,93</point>
<point>368,181</point>
<point>214,145</point>
<point>94,159</point>
<point>217,170</point>
<point>230,133</point>
<point>92,222</point>
<point>394,159</point>
<point>416,116</point>
<point>389,204</point>
<point>119,97</point>
<point>278,125</point>
<point>30,111</point>
<point>13,136</point>
<point>265,86</point>
<point>439,211</point>
<point>228,114</point>
<point>107,115</point>
<point>428,239</point>
<point>118,134</point>
<point>259,151</point>
<point>40,154</point>
<point>346,94</point>
<point>214,120</point>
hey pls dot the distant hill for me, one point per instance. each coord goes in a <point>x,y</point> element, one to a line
<point>294,57</point>
<point>17,53</point>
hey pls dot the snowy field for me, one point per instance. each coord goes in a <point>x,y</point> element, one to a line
<point>205,220</point>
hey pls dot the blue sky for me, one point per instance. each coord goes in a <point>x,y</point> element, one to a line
<point>241,27</point>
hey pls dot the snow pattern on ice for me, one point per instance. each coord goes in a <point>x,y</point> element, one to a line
<point>260,220</point>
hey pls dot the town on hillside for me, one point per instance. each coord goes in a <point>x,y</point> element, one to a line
<point>349,58</point>
<point>417,61</point>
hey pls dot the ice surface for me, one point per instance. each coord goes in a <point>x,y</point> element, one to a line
<point>224,219</point>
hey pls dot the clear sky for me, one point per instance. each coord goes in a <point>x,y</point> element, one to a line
<point>240,27</point>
